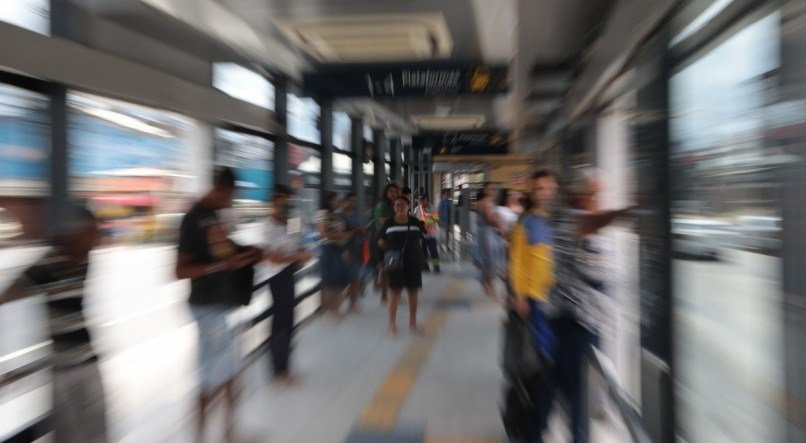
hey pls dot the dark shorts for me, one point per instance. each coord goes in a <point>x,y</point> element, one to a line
<point>334,271</point>
<point>411,276</point>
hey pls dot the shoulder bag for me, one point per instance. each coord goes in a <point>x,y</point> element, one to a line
<point>393,259</point>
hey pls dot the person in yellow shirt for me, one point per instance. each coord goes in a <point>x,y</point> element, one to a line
<point>531,265</point>
<point>531,279</point>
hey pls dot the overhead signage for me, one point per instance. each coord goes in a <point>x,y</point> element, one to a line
<point>414,80</point>
<point>463,142</point>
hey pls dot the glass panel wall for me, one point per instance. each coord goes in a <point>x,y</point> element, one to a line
<point>341,131</point>
<point>24,164</point>
<point>726,230</point>
<point>33,15</point>
<point>303,118</point>
<point>243,84</point>
<point>305,166</point>
<point>251,157</point>
<point>25,150</point>
<point>342,172</point>
<point>130,164</point>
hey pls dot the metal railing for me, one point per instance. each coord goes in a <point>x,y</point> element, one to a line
<point>632,419</point>
<point>41,426</point>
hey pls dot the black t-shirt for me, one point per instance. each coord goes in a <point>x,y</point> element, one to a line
<point>202,236</point>
<point>63,286</point>
<point>396,235</point>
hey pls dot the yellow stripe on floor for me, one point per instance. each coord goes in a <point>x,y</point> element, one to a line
<point>381,414</point>
<point>461,439</point>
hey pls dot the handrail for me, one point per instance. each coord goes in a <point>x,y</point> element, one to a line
<point>633,420</point>
<point>41,426</point>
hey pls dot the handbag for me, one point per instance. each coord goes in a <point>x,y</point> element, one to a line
<point>393,259</point>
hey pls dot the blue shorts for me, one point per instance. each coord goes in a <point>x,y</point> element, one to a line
<point>334,272</point>
<point>219,353</point>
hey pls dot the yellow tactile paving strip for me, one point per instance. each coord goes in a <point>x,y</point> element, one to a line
<point>381,414</point>
<point>462,439</point>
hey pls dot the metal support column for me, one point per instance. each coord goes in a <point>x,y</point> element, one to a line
<point>793,92</point>
<point>281,140</point>
<point>410,166</point>
<point>357,148</point>
<point>59,158</point>
<point>465,239</point>
<point>326,130</point>
<point>651,136</point>
<point>379,180</point>
<point>395,146</point>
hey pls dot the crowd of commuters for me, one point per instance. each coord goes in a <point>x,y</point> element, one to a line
<point>556,275</point>
<point>548,257</point>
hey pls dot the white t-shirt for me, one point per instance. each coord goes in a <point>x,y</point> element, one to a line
<point>280,239</point>
<point>508,217</point>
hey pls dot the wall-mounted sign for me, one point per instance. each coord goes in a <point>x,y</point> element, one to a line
<point>463,142</point>
<point>412,80</point>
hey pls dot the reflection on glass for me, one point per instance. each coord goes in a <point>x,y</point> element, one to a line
<point>342,169</point>
<point>243,84</point>
<point>130,164</point>
<point>24,153</point>
<point>251,159</point>
<point>305,166</point>
<point>341,130</point>
<point>726,227</point>
<point>303,117</point>
<point>33,15</point>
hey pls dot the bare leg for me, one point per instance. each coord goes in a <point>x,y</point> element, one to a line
<point>413,310</point>
<point>326,300</point>
<point>353,290</point>
<point>384,287</point>
<point>336,298</point>
<point>204,401</point>
<point>393,312</point>
<point>229,425</point>
<point>489,289</point>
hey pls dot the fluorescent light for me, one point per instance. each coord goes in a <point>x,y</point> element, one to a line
<point>127,122</point>
<point>701,20</point>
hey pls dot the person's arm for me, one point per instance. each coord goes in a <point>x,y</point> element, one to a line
<point>489,214</point>
<point>327,234</point>
<point>382,243</point>
<point>190,242</point>
<point>299,256</point>
<point>21,288</point>
<point>517,269</point>
<point>592,223</point>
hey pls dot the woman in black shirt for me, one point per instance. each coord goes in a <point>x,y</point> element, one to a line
<point>404,233</point>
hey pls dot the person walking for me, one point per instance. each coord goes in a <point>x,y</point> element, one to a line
<point>353,254</point>
<point>430,219</point>
<point>284,254</point>
<point>210,260</point>
<point>402,236</point>
<point>335,236</point>
<point>383,212</point>
<point>79,408</point>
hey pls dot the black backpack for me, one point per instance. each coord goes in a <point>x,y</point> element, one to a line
<point>527,381</point>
